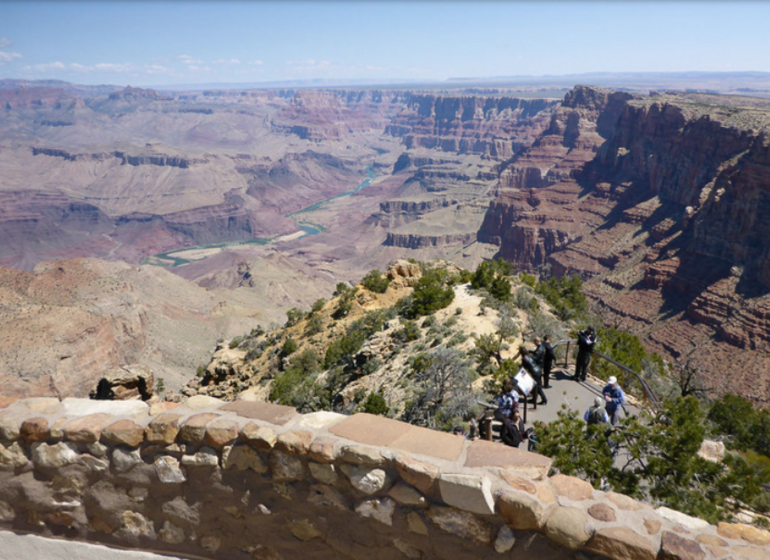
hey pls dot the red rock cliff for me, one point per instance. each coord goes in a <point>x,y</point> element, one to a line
<point>666,222</point>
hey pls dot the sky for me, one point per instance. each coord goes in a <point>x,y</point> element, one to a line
<point>154,43</point>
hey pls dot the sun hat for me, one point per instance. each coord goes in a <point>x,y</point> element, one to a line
<point>613,380</point>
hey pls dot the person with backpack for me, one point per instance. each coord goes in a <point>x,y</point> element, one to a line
<point>529,364</point>
<point>596,414</point>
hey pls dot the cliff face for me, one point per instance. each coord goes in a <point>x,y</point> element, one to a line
<point>667,222</point>
<point>494,127</point>
<point>529,221</point>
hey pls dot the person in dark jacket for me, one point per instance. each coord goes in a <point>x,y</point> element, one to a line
<point>549,357</point>
<point>539,354</point>
<point>586,341</point>
<point>528,363</point>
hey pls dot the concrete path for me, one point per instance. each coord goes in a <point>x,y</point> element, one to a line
<point>18,546</point>
<point>566,391</point>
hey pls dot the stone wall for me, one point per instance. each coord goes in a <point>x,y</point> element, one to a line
<point>255,480</point>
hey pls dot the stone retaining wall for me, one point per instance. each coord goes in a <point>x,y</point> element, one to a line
<point>255,480</point>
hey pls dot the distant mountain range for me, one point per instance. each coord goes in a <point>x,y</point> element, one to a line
<point>748,82</point>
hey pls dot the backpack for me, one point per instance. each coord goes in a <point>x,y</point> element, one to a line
<point>596,416</point>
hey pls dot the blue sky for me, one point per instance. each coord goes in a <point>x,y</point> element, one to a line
<point>145,43</point>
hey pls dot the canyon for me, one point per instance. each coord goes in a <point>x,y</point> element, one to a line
<point>658,201</point>
<point>655,202</point>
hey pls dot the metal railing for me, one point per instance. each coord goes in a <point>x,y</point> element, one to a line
<point>648,392</point>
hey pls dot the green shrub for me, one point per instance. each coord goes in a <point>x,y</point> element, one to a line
<point>314,325</point>
<point>375,404</point>
<point>294,316</point>
<point>234,343</point>
<point>565,295</point>
<point>318,305</point>
<point>289,347</point>
<point>375,282</point>
<point>408,333</point>
<point>429,295</point>
<point>357,332</point>
<point>528,279</point>
<point>500,288</point>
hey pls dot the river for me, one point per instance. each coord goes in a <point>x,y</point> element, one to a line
<point>185,256</point>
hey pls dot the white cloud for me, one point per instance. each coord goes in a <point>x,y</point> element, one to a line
<point>101,67</point>
<point>110,67</point>
<point>8,56</point>
<point>46,67</point>
<point>187,59</point>
<point>230,62</point>
<point>4,42</point>
<point>254,63</point>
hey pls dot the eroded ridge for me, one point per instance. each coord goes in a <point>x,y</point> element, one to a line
<point>256,480</point>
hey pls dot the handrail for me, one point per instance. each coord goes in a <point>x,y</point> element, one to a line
<point>646,388</point>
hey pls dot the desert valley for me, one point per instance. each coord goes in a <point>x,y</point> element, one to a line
<point>141,226</point>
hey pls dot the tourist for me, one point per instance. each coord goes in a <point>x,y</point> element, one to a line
<point>549,357</point>
<point>528,363</point>
<point>615,398</point>
<point>586,341</point>
<point>596,414</point>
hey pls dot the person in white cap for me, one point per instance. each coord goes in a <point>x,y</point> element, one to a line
<point>615,397</point>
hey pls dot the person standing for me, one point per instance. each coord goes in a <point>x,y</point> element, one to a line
<point>539,354</point>
<point>596,413</point>
<point>528,363</point>
<point>615,398</point>
<point>507,407</point>
<point>586,341</point>
<point>549,357</point>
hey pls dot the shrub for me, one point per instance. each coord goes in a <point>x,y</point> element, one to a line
<point>318,305</point>
<point>528,279</point>
<point>500,288</point>
<point>234,343</point>
<point>375,282</point>
<point>375,404</point>
<point>429,295</point>
<point>565,295</point>
<point>314,325</point>
<point>408,333</point>
<point>289,347</point>
<point>294,316</point>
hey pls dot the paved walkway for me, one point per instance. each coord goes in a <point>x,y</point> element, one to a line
<point>566,391</point>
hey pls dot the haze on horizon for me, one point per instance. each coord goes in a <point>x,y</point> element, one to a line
<point>170,43</point>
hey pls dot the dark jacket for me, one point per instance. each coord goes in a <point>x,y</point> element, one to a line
<point>529,364</point>
<point>539,355</point>
<point>549,356</point>
<point>586,342</point>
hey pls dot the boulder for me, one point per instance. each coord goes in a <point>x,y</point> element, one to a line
<point>567,526</point>
<point>124,432</point>
<point>467,492</point>
<point>621,542</point>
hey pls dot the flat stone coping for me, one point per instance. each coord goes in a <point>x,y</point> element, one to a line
<point>483,453</point>
<point>384,432</point>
